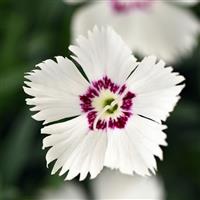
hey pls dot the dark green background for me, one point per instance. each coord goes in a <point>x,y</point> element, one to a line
<point>32,31</point>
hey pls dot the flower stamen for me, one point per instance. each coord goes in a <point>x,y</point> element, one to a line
<point>108,108</point>
<point>107,104</point>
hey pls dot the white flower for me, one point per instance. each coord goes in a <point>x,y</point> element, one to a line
<point>110,185</point>
<point>67,191</point>
<point>113,185</point>
<point>183,2</point>
<point>118,110</point>
<point>165,28</point>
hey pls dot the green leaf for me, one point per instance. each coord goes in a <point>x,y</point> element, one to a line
<point>17,148</point>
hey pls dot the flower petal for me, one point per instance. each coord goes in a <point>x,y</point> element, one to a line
<point>56,88</point>
<point>104,53</point>
<point>111,184</point>
<point>69,190</point>
<point>76,149</point>
<point>124,157</point>
<point>149,31</point>
<point>150,134</point>
<point>133,149</point>
<point>88,157</point>
<point>187,2</point>
<point>63,139</point>
<point>156,89</point>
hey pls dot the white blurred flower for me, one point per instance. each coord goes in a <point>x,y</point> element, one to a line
<point>118,111</point>
<point>113,185</point>
<point>183,2</point>
<point>67,191</point>
<point>74,1</point>
<point>165,28</point>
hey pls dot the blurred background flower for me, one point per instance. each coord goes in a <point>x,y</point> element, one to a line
<point>68,190</point>
<point>146,25</point>
<point>32,31</point>
<point>114,185</point>
<point>110,184</point>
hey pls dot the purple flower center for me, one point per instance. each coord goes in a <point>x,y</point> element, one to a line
<point>107,104</point>
<point>124,6</point>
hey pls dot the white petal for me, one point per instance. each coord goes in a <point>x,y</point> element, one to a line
<point>158,30</point>
<point>117,154</point>
<point>149,133</point>
<point>78,156</point>
<point>144,137</point>
<point>88,157</point>
<point>63,139</point>
<point>114,185</point>
<point>104,53</point>
<point>76,149</point>
<point>56,88</point>
<point>98,155</point>
<point>156,89</point>
<point>187,2</point>
<point>132,150</point>
<point>69,190</point>
<point>124,154</point>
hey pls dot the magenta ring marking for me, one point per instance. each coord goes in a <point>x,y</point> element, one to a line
<point>124,7</point>
<point>94,91</point>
